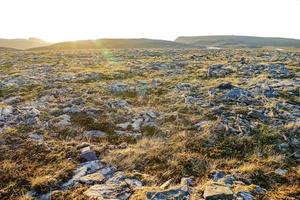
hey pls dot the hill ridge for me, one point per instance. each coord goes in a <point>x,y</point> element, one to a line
<point>238,41</point>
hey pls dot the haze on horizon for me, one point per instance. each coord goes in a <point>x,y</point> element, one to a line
<point>62,20</point>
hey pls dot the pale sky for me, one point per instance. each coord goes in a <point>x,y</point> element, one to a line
<point>59,20</point>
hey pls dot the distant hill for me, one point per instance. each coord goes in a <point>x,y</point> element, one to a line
<point>114,44</point>
<point>23,43</point>
<point>238,41</point>
<point>7,49</point>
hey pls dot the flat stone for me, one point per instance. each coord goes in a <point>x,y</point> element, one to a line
<point>176,194</point>
<point>216,192</point>
<point>94,178</point>
<point>107,191</point>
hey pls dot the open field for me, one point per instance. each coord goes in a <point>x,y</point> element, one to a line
<point>150,124</point>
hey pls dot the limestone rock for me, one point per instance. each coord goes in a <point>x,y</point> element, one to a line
<point>94,178</point>
<point>106,191</point>
<point>177,194</point>
<point>215,192</point>
<point>88,154</point>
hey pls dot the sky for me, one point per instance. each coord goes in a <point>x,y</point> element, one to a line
<point>62,20</point>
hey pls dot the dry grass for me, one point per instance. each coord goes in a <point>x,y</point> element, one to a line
<point>26,165</point>
<point>173,150</point>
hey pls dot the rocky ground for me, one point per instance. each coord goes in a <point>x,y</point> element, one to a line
<point>150,124</point>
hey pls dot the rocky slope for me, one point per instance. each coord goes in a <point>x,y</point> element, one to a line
<point>150,124</point>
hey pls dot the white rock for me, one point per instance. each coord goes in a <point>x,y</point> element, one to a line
<point>281,171</point>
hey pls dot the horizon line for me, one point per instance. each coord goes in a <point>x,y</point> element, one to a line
<point>128,38</point>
